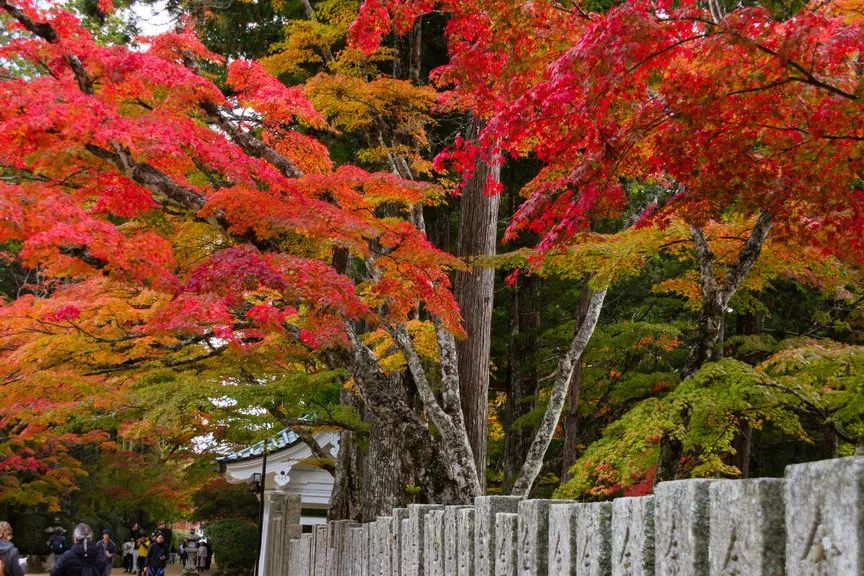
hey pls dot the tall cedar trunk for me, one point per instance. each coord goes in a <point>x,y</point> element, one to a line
<point>407,64</point>
<point>522,374</point>
<point>474,293</point>
<point>347,500</point>
<point>571,422</point>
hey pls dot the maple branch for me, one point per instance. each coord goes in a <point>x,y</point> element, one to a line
<point>150,178</point>
<point>47,33</point>
<point>748,256</point>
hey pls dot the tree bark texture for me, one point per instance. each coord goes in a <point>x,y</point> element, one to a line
<point>534,462</point>
<point>571,423</point>
<point>522,384</point>
<point>474,291</point>
<point>347,500</point>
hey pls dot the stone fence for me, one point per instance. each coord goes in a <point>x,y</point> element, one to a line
<point>810,523</point>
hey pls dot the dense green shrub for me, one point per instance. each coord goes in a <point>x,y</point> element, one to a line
<point>235,545</point>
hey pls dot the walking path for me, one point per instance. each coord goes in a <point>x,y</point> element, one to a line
<point>174,570</point>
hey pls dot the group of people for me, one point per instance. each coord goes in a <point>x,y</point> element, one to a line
<point>87,557</point>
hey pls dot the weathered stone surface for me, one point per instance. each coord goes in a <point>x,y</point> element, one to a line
<point>593,539</point>
<point>533,549</point>
<point>381,542</point>
<point>339,540</point>
<point>433,543</point>
<point>486,509</point>
<point>408,554</point>
<point>465,542</point>
<point>633,536</point>
<point>451,539</point>
<point>399,514</point>
<point>825,518</point>
<point>681,528</point>
<point>363,551</point>
<point>305,556</point>
<point>417,513</point>
<point>355,552</point>
<point>562,539</point>
<point>322,549</point>
<point>506,536</point>
<point>293,558</point>
<point>283,525</point>
<point>372,550</point>
<point>747,532</point>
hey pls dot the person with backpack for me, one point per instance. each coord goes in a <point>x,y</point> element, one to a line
<point>128,555</point>
<point>157,556</point>
<point>109,549</point>
<point>10,564</point>
<point>84,558</point>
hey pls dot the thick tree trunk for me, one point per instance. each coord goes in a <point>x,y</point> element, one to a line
<point>347,500</point>
<point>474,292</point>
<point>522,375</point>
<point>407,64</point>
<point>571,422</point>
<point>385,476</point>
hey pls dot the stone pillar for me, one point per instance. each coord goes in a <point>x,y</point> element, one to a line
<point>451,539</point>
<point>408,556</point>
<point>339,540</point>
<point>382,538</point>
<point>506,537</point>
<point>283,525</point>
<point>397,541</point>
<point>417,514</point>
<point>486,510</point>
<point>362,551</point>
<point>322,550</point>
<point>747,533</point>
<point>305,555</point>
<point>633,536</point>
<point>294,558</point>
<point>562,539</point>
<point>465,542</point>
<point>825,518</point>
<point>433,543</point>
<point>681,528</point>
<point>594,539</point>
<point>533,549</point>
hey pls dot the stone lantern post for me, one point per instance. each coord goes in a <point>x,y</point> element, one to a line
<point>190,542</point>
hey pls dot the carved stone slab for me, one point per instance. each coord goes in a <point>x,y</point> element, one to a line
<point>748,534</point>
<point>465,542</point>
<point>322,549</point>
<point>339,540</point>
<point>825,518</point>
<point>363,550</point>
<point>486,509</point>
<point>294,557</point>
<point>399,514</point>
<point>533,537</point>
<point>633,536</point>
<point>305,555</point>
<point>593,539</point>
<point>408,557</point>
<point>562,539</point>
<point>451,539</point>
<point>417,513</point>
<point>381,543</point>
<point>433,543</point>
<point>681,528</point>
<point>506,536</point>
